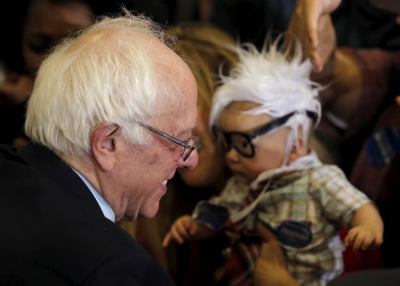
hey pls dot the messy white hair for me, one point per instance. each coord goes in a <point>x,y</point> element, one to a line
<point>278,82</point>
<point>107,74</point>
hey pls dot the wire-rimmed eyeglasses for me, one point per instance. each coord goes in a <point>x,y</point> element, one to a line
<point>188,145</point>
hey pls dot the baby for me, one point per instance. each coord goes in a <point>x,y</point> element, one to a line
<point>262,116</point>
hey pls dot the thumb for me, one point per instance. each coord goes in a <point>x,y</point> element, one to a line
<point>265,233</point>
<point>271,250</point>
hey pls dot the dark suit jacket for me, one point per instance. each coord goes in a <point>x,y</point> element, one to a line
<point>52,231</point>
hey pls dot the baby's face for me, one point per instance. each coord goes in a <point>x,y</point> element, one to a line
<point>269,149</point>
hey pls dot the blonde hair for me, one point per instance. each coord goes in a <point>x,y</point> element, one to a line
<point>207,51</point>
<point>107,73</point>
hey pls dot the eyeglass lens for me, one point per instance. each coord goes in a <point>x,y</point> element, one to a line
<point>241,143</point>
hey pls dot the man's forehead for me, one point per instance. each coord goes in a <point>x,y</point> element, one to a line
<point>177,121</point>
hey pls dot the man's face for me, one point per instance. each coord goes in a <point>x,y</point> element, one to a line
<point>145,170</point>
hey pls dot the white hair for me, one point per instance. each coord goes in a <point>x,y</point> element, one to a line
<point>280,84</point>
<point>109,73</point>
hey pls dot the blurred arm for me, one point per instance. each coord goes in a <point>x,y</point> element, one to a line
<point>334,69</point>
<point>270,268</point>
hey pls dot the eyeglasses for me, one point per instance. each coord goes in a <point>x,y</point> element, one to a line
<point>242,141</point>
<point>188,145</point>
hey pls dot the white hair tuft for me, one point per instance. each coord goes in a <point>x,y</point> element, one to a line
<point>278,83</point>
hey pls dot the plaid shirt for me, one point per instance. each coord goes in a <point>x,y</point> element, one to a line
<point>319,197</point>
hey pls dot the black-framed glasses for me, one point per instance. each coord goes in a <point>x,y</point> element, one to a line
<point>242,141</point>
<point>188,145</point>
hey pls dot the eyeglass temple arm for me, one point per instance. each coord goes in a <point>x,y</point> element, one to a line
<point>163,134</point>
<point>280,121</point>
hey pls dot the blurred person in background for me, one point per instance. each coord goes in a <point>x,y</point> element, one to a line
<point>31,28</point>
<point>208,52</point>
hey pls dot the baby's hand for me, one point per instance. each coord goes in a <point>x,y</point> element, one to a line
<point>183,229</point>
<point>362,238</point>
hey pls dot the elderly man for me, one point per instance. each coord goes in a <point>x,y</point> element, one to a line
<point>110,116</point>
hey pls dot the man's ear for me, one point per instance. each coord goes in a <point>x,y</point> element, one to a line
<point>103,145</point>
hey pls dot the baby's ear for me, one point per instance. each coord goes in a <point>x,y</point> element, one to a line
<point>299,148</point>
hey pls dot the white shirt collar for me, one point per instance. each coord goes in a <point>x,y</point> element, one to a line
<point>104,206</point>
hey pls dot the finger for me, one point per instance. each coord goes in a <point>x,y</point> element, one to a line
<point>317,62</point>
<point>176,236</point>
<point>358,240</point>
<point>350,238</point>
<point>190,225</point>
<point>367,242</point>
<point>166,240</point>
<point>378,240</point>
<point>311,27</point>
<point>182,228</point>
<point>271,250</point>
<point>265,233</point>
<point>311,14</point>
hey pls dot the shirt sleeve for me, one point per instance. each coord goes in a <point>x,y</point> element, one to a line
<point>338,198</point>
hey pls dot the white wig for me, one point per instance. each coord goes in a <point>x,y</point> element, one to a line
<point>108,73</point>
<point>279,84</point>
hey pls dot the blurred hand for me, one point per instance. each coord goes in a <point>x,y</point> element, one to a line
<point>270,268</point>
<point>316,31</point>
<point>184,228</point>
<point>362,238</point>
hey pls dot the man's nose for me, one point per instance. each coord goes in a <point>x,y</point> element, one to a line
<point>191,161</point>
